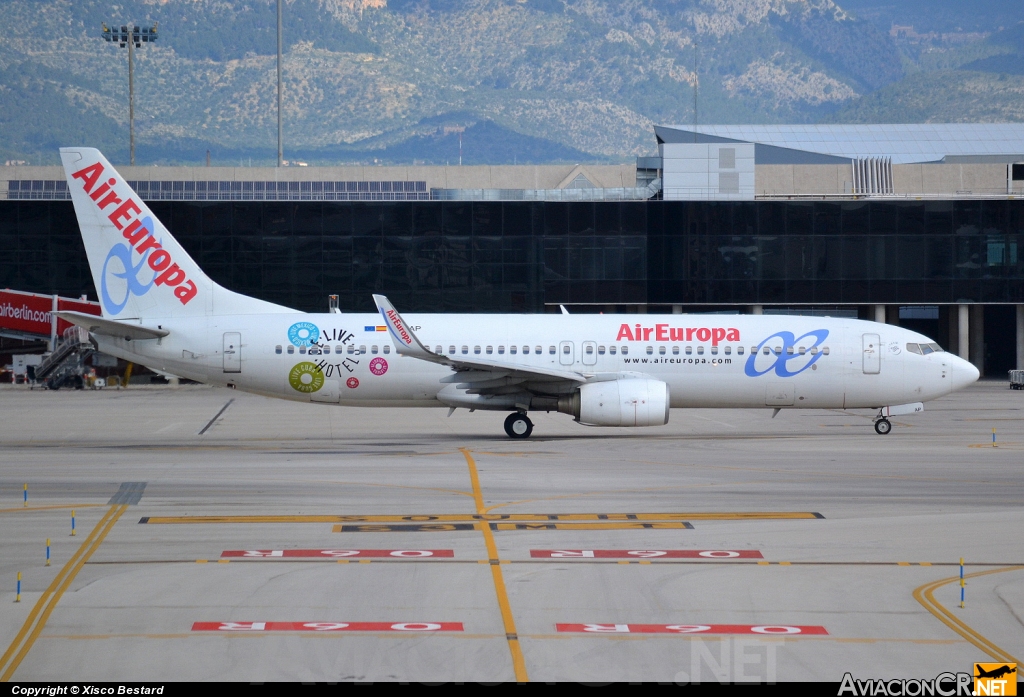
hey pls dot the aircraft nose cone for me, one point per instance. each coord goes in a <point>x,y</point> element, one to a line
<point>964,373</point>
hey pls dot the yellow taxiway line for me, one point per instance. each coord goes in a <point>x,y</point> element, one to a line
<point>40,613</point>
<point>925,596</point>
<point>518,662</point>
<point>482,516</point>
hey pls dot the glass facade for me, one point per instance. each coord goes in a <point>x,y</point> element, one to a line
<point>457,256</point>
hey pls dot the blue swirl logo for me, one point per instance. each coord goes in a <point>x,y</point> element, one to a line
<point>129,273</point>
<point>303,334</point>
<point>783,353</point>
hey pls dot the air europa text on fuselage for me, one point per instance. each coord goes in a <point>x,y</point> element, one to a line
<point>663,332</point>
<point>397,321</point>
<point>167,272</point>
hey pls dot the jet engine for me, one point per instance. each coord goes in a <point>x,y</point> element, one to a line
<point>630,402</point>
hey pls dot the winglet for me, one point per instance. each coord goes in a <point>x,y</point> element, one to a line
<point>406,342</point>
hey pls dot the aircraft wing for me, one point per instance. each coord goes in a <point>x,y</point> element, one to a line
<point>478,375</point>
<point>109,327</point>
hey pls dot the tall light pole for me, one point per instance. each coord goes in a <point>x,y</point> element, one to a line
<point>280,135</point>
<point>133,37</point>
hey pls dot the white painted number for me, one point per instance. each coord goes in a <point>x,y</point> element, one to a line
<point>242,626</point>
<point>560,553</point>
<point>258,553</point>
<point>688,628</point>
<point>612,628</point>
<point>646,553</point>
<point>775,630</point>
<point>325,626</point>
<point>340,552</point>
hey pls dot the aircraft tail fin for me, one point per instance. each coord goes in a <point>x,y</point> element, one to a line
<point>138,267</point>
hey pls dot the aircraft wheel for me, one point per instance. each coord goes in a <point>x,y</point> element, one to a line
<point>882,427</point>
<point>518,425</point>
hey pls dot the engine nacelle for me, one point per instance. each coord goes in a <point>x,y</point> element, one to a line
<point>629,402</point>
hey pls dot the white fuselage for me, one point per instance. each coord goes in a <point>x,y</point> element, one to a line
<point>800,362</point>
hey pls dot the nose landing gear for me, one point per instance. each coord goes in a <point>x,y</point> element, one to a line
<point>518,425</point>
<point>882,426</point>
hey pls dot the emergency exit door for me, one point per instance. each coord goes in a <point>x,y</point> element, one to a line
<point>232,352</point>
<point>872,354</point>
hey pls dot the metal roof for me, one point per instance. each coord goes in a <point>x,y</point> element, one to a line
<point>904,143</point>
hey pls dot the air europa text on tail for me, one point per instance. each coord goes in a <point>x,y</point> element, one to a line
<point>168,273</point>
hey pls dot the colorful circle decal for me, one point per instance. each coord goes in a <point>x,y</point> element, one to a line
<point>352,382</point>
<point>306,377</point>
<point>378,366</point>
<point>303,334</point>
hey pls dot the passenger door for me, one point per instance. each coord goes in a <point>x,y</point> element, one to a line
<point>566,353</point>
<point>589,353</point>
<point>232,352</point>
<point>872,354</point>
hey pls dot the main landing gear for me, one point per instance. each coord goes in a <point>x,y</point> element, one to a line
<point>518,425</point>
<point>882,426</point>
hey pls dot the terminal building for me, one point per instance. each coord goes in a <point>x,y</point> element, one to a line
<point>919,225</point>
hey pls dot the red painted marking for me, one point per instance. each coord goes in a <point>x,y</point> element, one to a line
<point>338,553</point>
<point>757,629</point>
<point>646,554</point>
<point>378,366</point>
<point>327,627</point>
<point>352,382</point>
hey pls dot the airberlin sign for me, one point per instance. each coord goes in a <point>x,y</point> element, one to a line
<point>138,231</point>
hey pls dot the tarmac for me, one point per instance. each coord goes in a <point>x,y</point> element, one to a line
<point>225,536</point>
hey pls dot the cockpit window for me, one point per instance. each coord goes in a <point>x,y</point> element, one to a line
<point>914,348</point>
<point>936,348</point>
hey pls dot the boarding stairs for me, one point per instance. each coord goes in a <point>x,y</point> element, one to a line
<point>65,366</point>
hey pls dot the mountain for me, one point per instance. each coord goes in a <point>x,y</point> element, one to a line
<point>522,80</point>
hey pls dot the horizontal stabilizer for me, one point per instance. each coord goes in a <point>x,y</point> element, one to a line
<point>109,327</point>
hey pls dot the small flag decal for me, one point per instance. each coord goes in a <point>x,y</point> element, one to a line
<point>379,328</point>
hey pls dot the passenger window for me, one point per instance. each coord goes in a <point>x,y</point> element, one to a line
<point>589,350</point>
<point>277,349</point>
<point>728,350</point>
<point>675,350</point>
<point>689,350</point>
<point>778,350</point>
<point>314,350</point>
<point>465,350</point>
<point>437,349</point>
<point>625,350</point>
<point>526,350</point>
<point>476,350</point>
<point>373,350</point>
<point>387,349</point>
<point>803,350</point>
<point>302,349</point>
<point>512,350</point>
<point>351,349</point>
<point>661,350</point>
<point>501,350</point>
<point>337,349</point>
<point>650,350</point>
<point>538,349</point>
<point>714,350</point>
<point>291,349</point>
<point>551,350</point>
<point>789,350</point>
<point>600,350</point>
<point>766,351</point>
<point>739,350</point>
<point>362,349</point>
<point>489,350</point>
<point>611,350</point>
<point>700,350</point>
<point>327,349</point>
<point>814,350</point>
<point>825,350</point>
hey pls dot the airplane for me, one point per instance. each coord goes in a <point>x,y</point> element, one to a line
<point>160,310</point>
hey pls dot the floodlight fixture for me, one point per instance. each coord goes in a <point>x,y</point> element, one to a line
<point>132,36</point>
